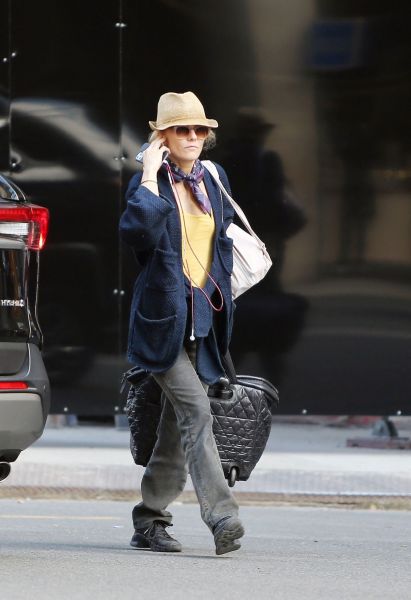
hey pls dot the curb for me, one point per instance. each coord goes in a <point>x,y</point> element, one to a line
<point>353,501</point>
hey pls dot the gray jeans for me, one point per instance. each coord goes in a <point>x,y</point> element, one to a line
<point>185,437</point>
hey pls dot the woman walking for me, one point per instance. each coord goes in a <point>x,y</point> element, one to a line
<point>181,317</point>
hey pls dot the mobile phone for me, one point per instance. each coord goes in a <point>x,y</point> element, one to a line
<point>139,157</point>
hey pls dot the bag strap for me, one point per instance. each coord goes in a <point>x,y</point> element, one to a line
<point>210,166</point>
<point>229,367</point>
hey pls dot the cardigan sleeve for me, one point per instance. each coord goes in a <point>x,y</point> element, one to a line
<point>144,220</point>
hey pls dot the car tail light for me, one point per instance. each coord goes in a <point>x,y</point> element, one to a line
<point>29,223</point>
<point>13,385</point>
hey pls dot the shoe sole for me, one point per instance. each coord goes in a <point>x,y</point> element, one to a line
<point>139,547</point>
<point>160,549</point>
<point>140,542</point>
<point>227,539</point>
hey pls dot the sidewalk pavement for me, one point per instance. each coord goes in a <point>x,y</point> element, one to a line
<point>307,458</point>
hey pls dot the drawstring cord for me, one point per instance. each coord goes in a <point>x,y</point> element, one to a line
<point>182,219</point>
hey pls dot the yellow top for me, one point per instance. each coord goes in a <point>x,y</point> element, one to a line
<point>199,229</point>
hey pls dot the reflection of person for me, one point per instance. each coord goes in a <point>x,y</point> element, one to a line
<point>260,186</point>
<point>257,173</point>
<point>181,318</point>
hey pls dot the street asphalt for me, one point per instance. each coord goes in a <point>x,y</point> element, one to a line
<point>71,547</point>
<point>72,550</point>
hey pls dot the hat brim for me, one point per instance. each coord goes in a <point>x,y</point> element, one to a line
<point>212,123</point>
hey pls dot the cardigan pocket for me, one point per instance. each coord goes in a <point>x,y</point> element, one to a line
<point>152,338</point>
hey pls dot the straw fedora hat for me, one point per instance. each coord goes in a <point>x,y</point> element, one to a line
<point>180,109</point>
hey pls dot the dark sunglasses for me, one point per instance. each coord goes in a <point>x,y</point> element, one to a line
<point>183,131</point>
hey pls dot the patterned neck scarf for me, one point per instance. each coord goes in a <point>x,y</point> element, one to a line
<point>192,180</point>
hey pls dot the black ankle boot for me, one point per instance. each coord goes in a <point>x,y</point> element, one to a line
<point>226,535</point>
<point>156,538</point>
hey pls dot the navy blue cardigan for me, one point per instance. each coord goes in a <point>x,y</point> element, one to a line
<point>159,317</point>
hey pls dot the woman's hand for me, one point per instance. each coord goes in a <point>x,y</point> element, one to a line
<point>153,158</point>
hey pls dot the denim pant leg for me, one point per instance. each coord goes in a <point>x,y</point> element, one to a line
<point>186,422</point>
<point>192,409</point>
<point>165,475</point>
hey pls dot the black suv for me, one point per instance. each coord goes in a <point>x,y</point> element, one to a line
<point>24,385</point>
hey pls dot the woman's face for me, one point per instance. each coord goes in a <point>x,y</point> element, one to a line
<point>185,142</point>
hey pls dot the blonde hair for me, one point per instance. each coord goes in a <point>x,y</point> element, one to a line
<point>209,142</point>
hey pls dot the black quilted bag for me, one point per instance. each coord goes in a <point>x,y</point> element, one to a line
<point>242,412</point>
<point>143,409</point>
<point>241,406</point>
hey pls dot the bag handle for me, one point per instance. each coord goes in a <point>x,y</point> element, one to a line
<point>210,166</point>
<point>229,367</point>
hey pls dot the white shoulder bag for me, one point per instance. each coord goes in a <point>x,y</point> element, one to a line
<point>251,259</point>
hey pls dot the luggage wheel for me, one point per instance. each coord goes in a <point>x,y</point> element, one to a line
<point>232,476</point>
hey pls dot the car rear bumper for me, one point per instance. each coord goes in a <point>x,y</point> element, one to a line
<point>22,420</point>
<point>23,413</point>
